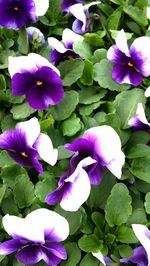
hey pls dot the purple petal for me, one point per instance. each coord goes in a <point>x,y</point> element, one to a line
<point>116,56</point>
<point>95,173</point>
<point>139,257</point>
<point>30,254</point>
<point>10,246</point>
<point>69,38</point>
<point>66,4</point>
<point>126,74</point>
<point>57,57</point>
<point>56,196</point>
<point>77,27</point>
<point>56,249</point>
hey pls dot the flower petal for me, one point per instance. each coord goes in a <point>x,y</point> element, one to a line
<point>99,256</point>
<point>10,246</point>
<point>29,254</point>
<point>107,146</point>
<point>139,257</point>
<point>57,45</point>
<point>69,38</point>
<point>142,56</point>
<point>116,56</point>
<point>45,149</point>
<point>121,42</point>
<point>147,92</point>
<point>139,119</point>
<point>143,234</point>
<point>31,129</point>
<point>78,11</point>
<point>41,7</point>
<point>56,249</point>
<point>39,35</point>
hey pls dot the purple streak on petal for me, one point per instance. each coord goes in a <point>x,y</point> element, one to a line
<point>57,57</point>
<point>30,254</point>
<point>68,3</point>
<point>10,246</point>
<point>139,257</point>
<point>126,74</point>
<point>15,14</point>
<point>116,56</point>
<point>77,27</point>
<point>56,249</point>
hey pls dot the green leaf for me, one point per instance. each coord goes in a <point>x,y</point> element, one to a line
<point>23,43</point>
<point>126,235</point>
<point>73,253</point>
<point>10,172</point>
<point>23,191</point>
<point>88,109</point>
<point>138,151</point>
<point>55,9</point>
<point>89,95</point>
<point>88,73</point>
<point>125,251</point>
<point>114,19</point>
<point>126,104</point>
<point>2,82</point>
<point>71,70</point>
<point>44,187</point>
<point>98,55</point>
<point>8,204</point>
<point>115,214</point>
<point>22,111</point>
<point>138,216</point>
<point>64,153</point>
<point>2,191</point>
<point>8,123</point>
<point>66,107</point>
<point>147,203</point>
<point>89,260</point>
<point>83,49</point>
<point>102,74</point>
<point>89,243</point>
<point>5,159</point>
<point>71,126</point>
<point>141,168</point>
<point>136,14</point>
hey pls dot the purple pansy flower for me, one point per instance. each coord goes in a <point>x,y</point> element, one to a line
<point>36,237</point>
<point>73,188</point>
<point>37,79</point>
<point>81,12</point>
<point>102,259</point>
<point>33,31</point>
<point>66,4</point>
<point>16,14</point>
<point>141,254</point>
<point>26,144</point>
<point>130,65</point>
<point>139,121</point>
<point>103,144</point>
<point>147,92</point>
<point>63,50</point>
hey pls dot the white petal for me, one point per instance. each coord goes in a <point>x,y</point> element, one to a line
<point>51,222</point>
<point>19,228</point>
<point>32,62</point>
<point>141,47</point>
<point>86,7</point>
<point>45,149</point>
<point>147,92</point>
<point>148,12</point>
<point>32,30</point>
<point>107,146</point>
<point>143,234</point>
<point>141,114</point>
<point>31,129</point>
<point>41,7</point>
<point>78,194</point>
<point>121,42</point>
<point>78,11</point>
<point>70,37</point>
<point>99,256</point>
<point>57,45</point>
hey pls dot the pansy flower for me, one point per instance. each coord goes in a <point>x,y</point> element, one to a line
<point>26,144</point>
<point>16,14</point>
<point>102,144</point>
<point>36,237</point>
<point>37,79</point>
<point>141,254</point>
<point>63,50</point>
<point>139,121</point>
<point>35,34</point>
<point>66,4</point>
<point>82,22</point>
<point>130,65</point>
<point>73,188</point>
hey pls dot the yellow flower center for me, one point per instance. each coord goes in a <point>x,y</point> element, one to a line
<point>16,8</point>
<point>39,83</point>
<point>130,64</point>
<point>24,154</point>
<point>70,57</point>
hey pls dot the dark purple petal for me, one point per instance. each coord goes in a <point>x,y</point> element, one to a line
<point>15,14</point>
<point>95,173</point>
<point>126,74</point>
<point>10,246</point>
<point>41,88</point>
<point>30,254</point>
<point>49,255</point>
<point>57,57</point>
<point>57,195</point>
<point>139,257</point>
<point>56,249</point>
<point>67,3</point>
<point>77,27</point>
<point>116,56</point>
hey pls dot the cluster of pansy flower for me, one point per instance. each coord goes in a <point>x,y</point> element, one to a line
<point>37,236</point>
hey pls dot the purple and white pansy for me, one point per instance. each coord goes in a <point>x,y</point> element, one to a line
<point>102,144</point>
<point>99,147</point>
<point>81,12</point>
<point>66,4</point>
<point>139,121</point>
<point>73,188</point>
<point>130,65</point>
<point>26,144</point>
<point>36,237</point>
<point>35,34</point>
<point>36,78</point>
<point>16,14</point>
<point>63,50</point>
